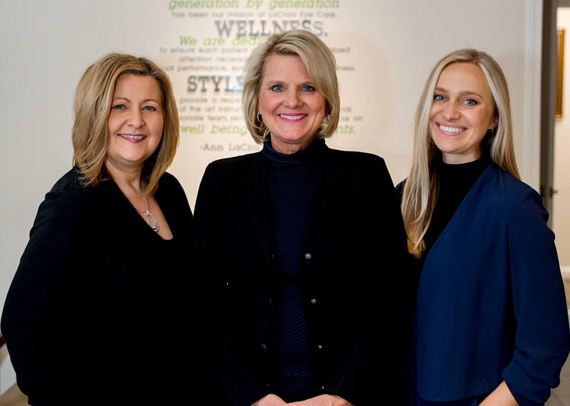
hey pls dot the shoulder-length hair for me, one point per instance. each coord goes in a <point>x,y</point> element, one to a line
<point>421,188</point>
<point>92,106</point>
<point>321,67</point>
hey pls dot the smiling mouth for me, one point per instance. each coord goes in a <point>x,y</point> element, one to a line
<point>133,137</point>
<point>295,117</point>
<point>453,130</point>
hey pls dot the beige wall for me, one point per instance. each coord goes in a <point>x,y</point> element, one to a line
<point>47,45</point>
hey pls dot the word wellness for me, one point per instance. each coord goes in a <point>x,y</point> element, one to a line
<point>274,4</point>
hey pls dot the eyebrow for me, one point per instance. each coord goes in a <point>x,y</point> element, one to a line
<point>144,101</point>
<point>461,93</point>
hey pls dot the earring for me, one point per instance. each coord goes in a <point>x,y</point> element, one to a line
<point>258,116</point>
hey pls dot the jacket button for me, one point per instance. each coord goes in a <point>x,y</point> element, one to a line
<point>308,255</point>
<point>263,347</point>
<point>314,300</point>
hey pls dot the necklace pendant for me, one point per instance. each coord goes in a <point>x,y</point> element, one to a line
<point>149,216</point>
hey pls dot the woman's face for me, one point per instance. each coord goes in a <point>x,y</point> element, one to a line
<point>135,122</point>
<point>462,111</point>
<point>290,106</point>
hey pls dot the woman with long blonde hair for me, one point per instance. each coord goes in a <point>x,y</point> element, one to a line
<point>490,324</point>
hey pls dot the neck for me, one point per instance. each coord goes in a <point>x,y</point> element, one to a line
<point>129,180</point>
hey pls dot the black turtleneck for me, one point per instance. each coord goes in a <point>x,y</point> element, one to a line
<point>293,181</point>
<point>454,183</point>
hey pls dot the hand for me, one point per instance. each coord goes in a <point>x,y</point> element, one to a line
<point>322,400</point>
<point>270,400</point>
<point>501,396</point>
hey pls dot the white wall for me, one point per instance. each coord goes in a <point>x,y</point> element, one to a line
<point>46,45</point>
<point>561,202</point>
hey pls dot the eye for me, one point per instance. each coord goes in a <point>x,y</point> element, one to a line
<point>308,88</point>
<point>438,97</point>
<point>277,88</point>
<point>118,107</point>
<point>470,102</point>
<point>150,108</point>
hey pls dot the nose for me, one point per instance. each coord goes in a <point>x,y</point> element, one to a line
<point>135,119</point>
<point>451,111</point>
<point>293,99</point>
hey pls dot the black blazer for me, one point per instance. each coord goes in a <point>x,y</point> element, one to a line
<point>353,277</point>
<point>97,312</point>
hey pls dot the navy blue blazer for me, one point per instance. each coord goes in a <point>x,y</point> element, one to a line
<point>491,304</point>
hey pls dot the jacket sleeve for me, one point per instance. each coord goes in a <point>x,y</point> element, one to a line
<point>542,337</point>
<point>238,382</point>
<point>374,360</point>
<point>50,257</point>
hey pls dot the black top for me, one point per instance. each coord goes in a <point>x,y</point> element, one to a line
<point>454,183</point>
<point>292,180</point>
<point>97,312</point>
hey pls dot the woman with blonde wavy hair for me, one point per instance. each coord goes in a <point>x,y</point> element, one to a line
<point>95,310</point>
<point>490,324</point>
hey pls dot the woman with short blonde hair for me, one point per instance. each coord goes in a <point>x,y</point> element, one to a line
<point>92,105</point>
<point>104,279</point>
<point>296,242</point>
<point>321,67</point>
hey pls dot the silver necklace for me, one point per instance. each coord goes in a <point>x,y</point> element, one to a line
<point>148,216</point>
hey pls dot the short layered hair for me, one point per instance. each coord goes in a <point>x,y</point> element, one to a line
<point>321,67</point>
<point>92,106</point>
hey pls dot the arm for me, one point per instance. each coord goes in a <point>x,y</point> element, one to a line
<point>542,337</point>
<point>29,319</point>
<point>380,276</point>
<point>215,205</point>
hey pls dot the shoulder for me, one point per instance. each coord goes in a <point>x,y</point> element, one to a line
<point>69,190</point>
<point>360,167</point>
<point>169,182</point>
<point>68,204</point>
<point>516,200</point>
<point>356,158</point>
<point>233,167</point>
<point>510,189</point>
<point>232,163</point>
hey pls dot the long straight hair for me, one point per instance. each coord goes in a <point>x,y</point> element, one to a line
<point>421,188</point>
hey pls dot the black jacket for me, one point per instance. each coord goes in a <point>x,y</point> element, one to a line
<point>97,313</point>
<point>352,269</point>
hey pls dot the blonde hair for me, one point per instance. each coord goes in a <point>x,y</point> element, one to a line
<point>321,67</point>
<point>421,188</point>
<point>92,105</point>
